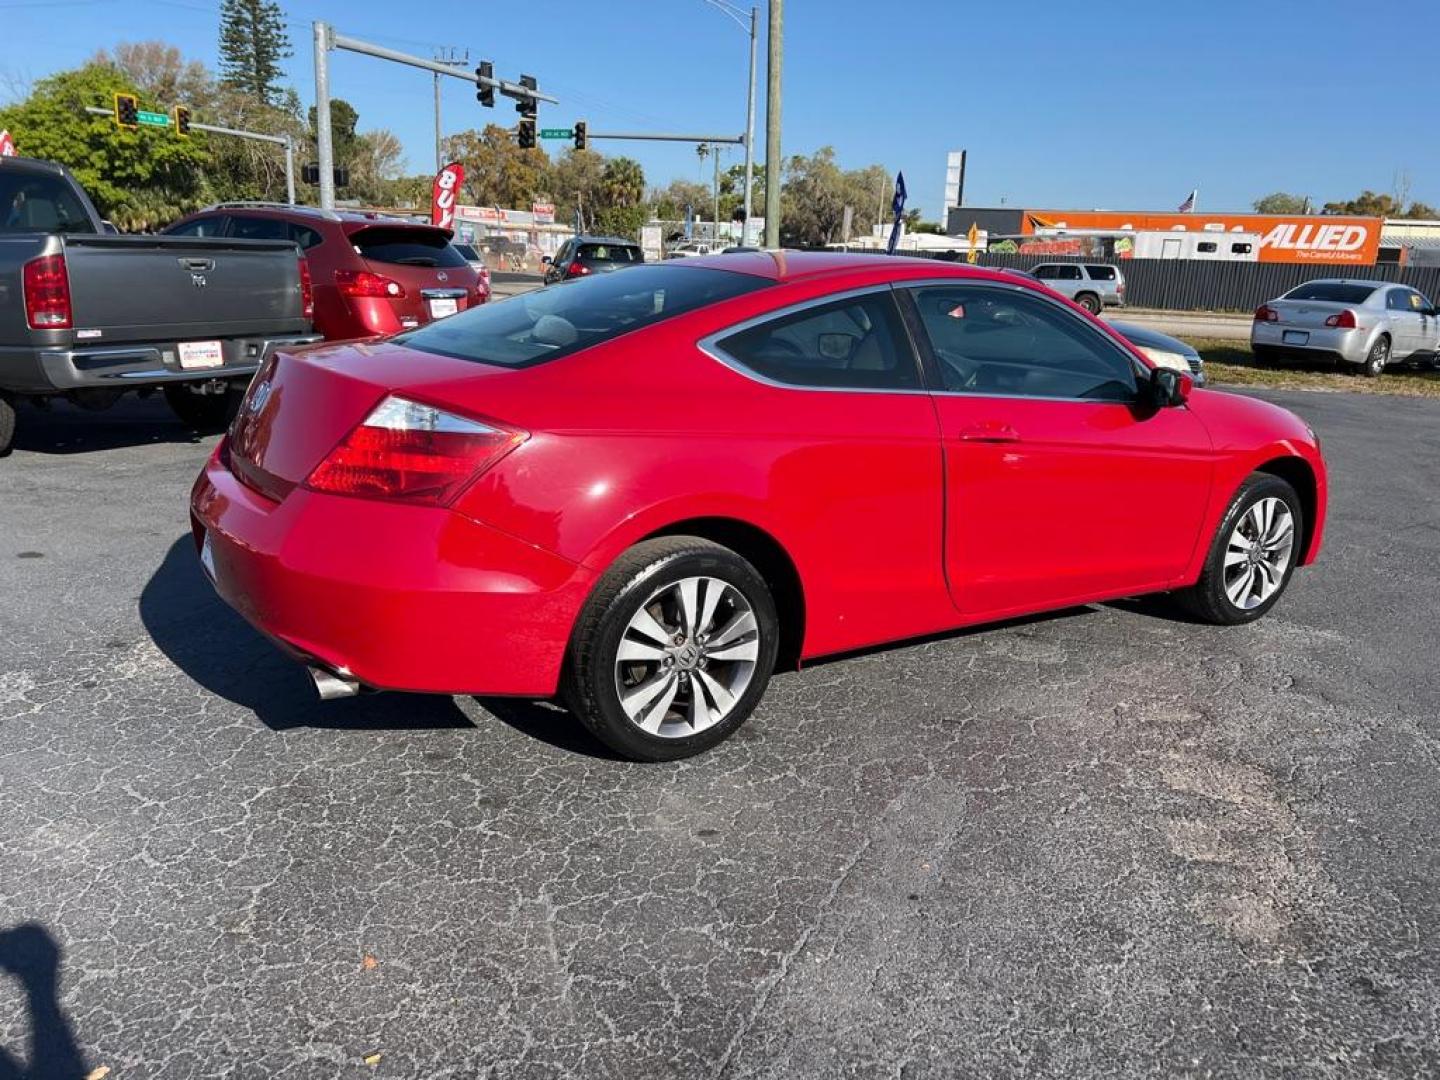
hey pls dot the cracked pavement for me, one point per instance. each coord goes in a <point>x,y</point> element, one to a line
<point>1100,843</point>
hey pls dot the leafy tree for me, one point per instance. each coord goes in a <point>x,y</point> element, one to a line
<point>343,122</point>
<point>253,42</point>
<point>1372,204</point>
<point>816,193</point>
<point>497,171</point>
<point>575,176</point>
<point>1282,202</point>
<point>622,184</point>
<point>159,71</point>
<point>669,203</point>
<point>139,179</point>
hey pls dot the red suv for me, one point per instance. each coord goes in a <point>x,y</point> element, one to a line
<point>372,274</point>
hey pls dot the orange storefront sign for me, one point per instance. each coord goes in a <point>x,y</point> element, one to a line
<point>1292,238</point>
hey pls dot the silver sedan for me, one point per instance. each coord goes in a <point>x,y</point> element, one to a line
<point>1365,323</point>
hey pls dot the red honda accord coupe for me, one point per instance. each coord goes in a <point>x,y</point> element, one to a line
<point>642,492</point>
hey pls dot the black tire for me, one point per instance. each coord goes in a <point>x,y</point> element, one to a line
<point>1089,301</point>
<point>207,414</point>
<point>590,683</point>
<point>7,424</point>
<point>1377,358</point>
<point>1206,599</point>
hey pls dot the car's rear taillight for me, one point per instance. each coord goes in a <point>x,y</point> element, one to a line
<point>578,269</point>
<point>307,291</point>
<point>1344,320</point>
<point>47,293</point>
<point>1266,313</point>
<point>366,283</point>
<point>411,452</point>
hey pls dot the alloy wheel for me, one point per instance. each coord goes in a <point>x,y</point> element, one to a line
<point>687,657</point>
<point>1258,553</point>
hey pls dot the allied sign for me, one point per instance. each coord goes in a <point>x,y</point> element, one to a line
<point>443,193</point>
<point>1291,238</point>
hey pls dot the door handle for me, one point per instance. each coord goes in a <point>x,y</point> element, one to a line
<point>990,433</point>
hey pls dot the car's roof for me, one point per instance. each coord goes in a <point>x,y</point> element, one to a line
<point>782,266</point>
<point>352,219</point>
<point>612,240</point>
<point>32,165</point>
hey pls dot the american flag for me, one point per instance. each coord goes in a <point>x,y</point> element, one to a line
<point>1189,203</point>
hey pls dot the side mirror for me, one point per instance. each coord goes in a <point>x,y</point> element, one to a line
<point>546,260</point>
<point>1169,387</point>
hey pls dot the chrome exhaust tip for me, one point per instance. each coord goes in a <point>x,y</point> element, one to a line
<point>331,685</point>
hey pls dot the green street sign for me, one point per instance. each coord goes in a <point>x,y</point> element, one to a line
<point>545,133</point>
<point>154,119</point>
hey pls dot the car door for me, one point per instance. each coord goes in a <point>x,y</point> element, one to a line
<point>1400,323</point>
<point>558,265</point>
<point>1060,485</point>
<point>1429,343</point>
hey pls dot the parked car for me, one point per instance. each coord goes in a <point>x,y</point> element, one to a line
<point>582,255</point>
<point>1162,350</point>
<point>372,274</point>
<point>644,491</point>
<point>1091,285</point>
<point>1364,323</point>
<point>691,249</point>
<point>472,256</point>
<point>88,315</point>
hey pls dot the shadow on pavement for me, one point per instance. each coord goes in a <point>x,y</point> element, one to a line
<point>548,723</point>
<point>30,954</point>
<point>213,645</point>
<point>62,428</point>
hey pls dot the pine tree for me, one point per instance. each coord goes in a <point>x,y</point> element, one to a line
<point>253,42</point>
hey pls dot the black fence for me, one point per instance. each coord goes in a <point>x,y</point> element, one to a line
<point>1198,285</point>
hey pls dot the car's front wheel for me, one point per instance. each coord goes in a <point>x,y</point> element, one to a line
<point>673,650</point>
<point>1252,556</point>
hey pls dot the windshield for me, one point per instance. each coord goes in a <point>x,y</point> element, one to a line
<point>1339,292</point>
<point>562,319</point>
<point>31,203</point>
<point>406,247</point>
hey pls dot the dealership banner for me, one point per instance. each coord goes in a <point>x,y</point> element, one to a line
<point>1289,238</point>
<point>443,194</point>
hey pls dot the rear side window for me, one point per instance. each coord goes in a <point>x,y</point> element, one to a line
<point>206,226</point>
<point>549,323</point>
<point>307,238</point>
<point>406,247</point>
<point>1241,249</point>
<point>1207,247</point>
<point>621,253</point>
<point>1066,272</point>
<point>258,228</point>
<point>1339,292</point>
<point>467,252</point>
<point>858,344</point>
<point>1102,273</point>
<point>30,203</point>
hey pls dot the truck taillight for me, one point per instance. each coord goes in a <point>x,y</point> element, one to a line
<point>366,283</point>
<point>410,452</point>
<point>307,291</point>
<point>47,293</point>
<point>1266,313</point>
<point>1344,320</point>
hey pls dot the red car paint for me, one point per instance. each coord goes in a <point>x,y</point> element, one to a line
<point>901,513</point>
<point>357,295</point>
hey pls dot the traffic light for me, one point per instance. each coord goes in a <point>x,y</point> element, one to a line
<point>182,121</point>
<point>581,142</point>
<point>525,133</point>
<point>526,104</point>
<point>127,110</point>
<point>484,92</point>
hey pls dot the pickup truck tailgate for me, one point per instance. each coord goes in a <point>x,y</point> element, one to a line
<point>156,288</point>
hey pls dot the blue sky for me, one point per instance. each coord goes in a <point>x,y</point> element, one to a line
<point>1121,104</point>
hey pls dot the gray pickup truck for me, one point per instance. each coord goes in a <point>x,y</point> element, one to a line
<point>89,315</point>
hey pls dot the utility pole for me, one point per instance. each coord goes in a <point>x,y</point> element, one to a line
<point>774,51</point>
<point>455,61</point>
<point>750,133</point>
<point>715,153</point>
<point>324,149</point>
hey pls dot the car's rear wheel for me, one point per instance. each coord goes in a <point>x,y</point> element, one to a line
<point>1377,357</point>
<point>1252,556</point>
<point>1090,302</point>
<point>206,413</point>
<point>673,650</point>
<point>7,424</point>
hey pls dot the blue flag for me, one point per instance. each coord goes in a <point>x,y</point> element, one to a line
<point>897,204</point>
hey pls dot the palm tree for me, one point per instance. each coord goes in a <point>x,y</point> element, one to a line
<point>622,183</point>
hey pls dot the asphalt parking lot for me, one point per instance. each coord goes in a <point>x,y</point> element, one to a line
<point>1102,843</point>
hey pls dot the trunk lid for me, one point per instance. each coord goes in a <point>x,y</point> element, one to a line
<point>302,404</point>
<point>435,276</point>
<point>1308,314</point>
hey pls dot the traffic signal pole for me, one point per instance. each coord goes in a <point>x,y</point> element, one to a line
<point>326,39</point>
<point>279,140</point>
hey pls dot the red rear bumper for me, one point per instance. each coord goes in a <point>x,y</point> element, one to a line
<point>403,597</point>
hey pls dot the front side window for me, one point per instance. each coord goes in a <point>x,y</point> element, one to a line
<point>1046,272</point>
<point>549,323</point>
<point>857,343</point>
<point>1395,300</point>
<point>1008,342</point>
<point>1068,273</point>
